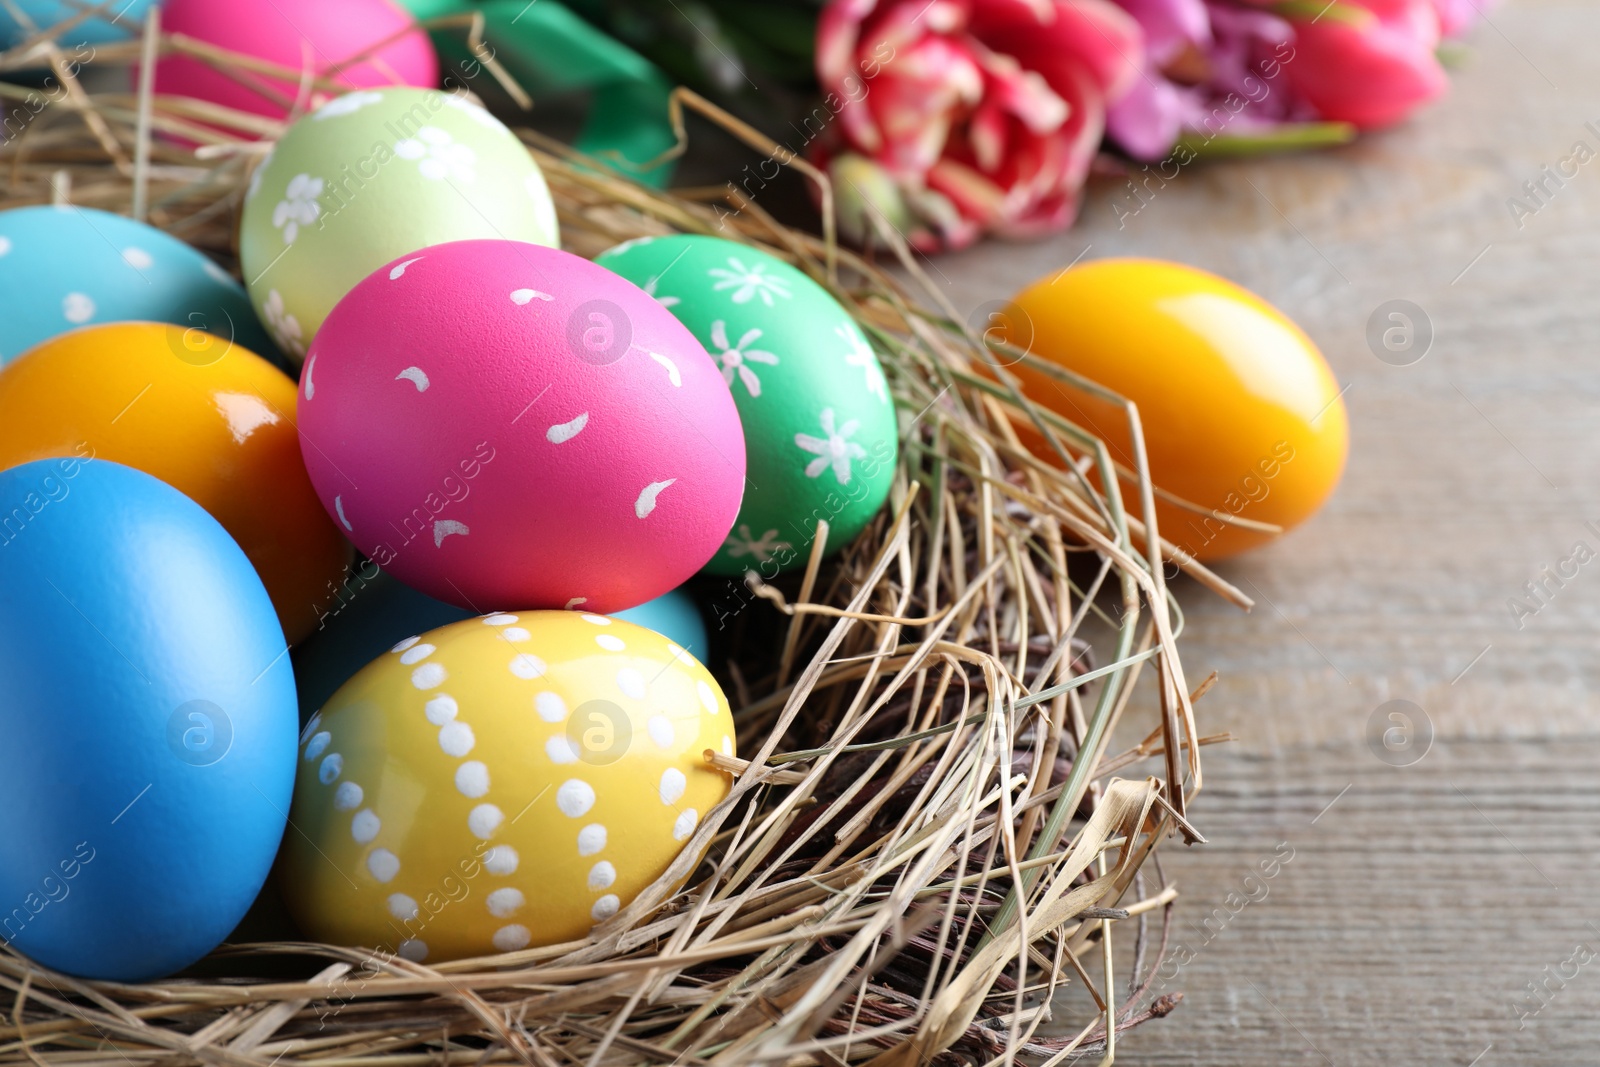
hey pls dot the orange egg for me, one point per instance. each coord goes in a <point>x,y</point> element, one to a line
<point>1242,417</point>
<point>209,418</point>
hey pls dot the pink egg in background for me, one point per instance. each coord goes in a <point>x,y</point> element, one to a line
<point>293,33</point>
<point>504,425</point>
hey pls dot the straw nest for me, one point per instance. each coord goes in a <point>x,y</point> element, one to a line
<point>930,856</point>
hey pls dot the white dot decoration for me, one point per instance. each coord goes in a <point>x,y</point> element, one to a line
<point>661,733</point>
<point>383,864</point>
<point>527,666</point>
<point>456,739</point>
<point>501,860</point>
<point>631,682</point>
<point>137,258</point>
<point>416,654</point>
<point>672,785</point>
<point>504,902</point>
<point>331,767</point>
<point>429,676</point>
<point>402,907</point>
<point>77,308</point>
<point>317,744</point>
<point>685,823</point>
<point>510,938</point>
<point>591,839</point>
<point>610,642</point>
<point>727,745</point>
<point>441,709</point>
<point>412,949</point>
<point>401,646</point>
<point>575,798</point>
<point>605,907</point>
<point>311,727</point>
<point>675,651</point>
<point>514,633</point>
<point>499,620</point>
<point>598,620</point>
<point>550,706</point>
<point>708,699</point>
<point>364,826</point>
<point>561,750</point>
<point>347,797</point>
<point>601,876</point>
<point>472,778</point>
<point>484,820</point>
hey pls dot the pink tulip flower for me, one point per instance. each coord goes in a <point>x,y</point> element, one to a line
<point>983,114</point>
<point>1370,63</point>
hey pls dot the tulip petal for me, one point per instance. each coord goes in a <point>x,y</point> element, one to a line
<point>1063,36</point>
<point>1369,72</point>
<point>1146,121</point>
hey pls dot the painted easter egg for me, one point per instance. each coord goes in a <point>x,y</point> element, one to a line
<point>101,24</point>
<point>370,177</point>
<point>212,420</point>
<point>149,722</point>
<point>294,34</point>
<point>65,267</point>
<point>820,431</point>
<point>499,423</point>
<point>1242,416</point>
<point>369,611</point>
<point>501,782</point>
<point>675,616</point>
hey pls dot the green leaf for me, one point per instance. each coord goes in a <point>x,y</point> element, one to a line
<point>1316,10</point>
<point>1452,55</point>
<point>1288,137</point>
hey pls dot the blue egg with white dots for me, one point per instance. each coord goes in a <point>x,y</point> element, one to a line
<point>119,20</point>
<point>149,722</point>
<point>68,266</point>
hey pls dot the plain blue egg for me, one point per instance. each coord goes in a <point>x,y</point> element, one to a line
<point>122,19</point>
<point>372,612</point>
<point>674,616</point>
<point>65,267</point>
<point>149,723</point>
<point>362,620</point>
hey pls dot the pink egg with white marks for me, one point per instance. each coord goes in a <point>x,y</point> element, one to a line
<point>498,423</point>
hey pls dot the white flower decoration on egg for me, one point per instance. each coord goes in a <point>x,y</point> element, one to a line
<point>299,206</point>
<point>438,155</point>
<point>284,327</point>
<point>348,104</point>
<point>748,282</point>
<point>834,450</point>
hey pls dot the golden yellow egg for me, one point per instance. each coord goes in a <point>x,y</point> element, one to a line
<point>1242,416</point>
<point>502,782</point>
<point>211,419</point>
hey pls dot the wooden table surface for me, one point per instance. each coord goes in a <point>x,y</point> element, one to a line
<point>1421,900</point>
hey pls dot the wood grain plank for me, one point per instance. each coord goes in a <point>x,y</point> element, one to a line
<point>1417,909</point>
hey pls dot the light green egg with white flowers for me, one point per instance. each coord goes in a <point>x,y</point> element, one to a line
<point>365,179</point>
<point>819,422</point>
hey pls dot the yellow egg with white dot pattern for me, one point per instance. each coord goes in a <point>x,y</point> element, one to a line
<point>502,782</point>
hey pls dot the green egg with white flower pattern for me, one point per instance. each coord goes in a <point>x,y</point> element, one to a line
<point>819,423</point>
<point>369,177</point>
